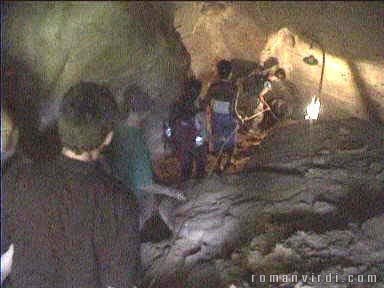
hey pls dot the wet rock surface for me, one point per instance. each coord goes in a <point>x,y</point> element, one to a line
<point>314,208</point>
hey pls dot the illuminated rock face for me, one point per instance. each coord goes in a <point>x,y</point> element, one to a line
<point>346,90</point>
<point>220,31</point>
<point>155,46</point>
<point>352,37</point>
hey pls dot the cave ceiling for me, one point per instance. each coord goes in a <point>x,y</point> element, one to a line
<point>155,45</point>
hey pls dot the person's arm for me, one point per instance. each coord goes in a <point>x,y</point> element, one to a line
<point>206,100</point>
<point>263,92</point>
<point>117,239</point>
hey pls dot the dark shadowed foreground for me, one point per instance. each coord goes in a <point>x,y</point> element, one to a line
<point>67,218</point>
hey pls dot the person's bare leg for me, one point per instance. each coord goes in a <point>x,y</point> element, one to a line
<point>218,162</point>
<point>227,159</point>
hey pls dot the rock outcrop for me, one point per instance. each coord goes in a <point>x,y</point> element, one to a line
<point>53,46</point>
<point>349,256</point>
<point>337,180</point>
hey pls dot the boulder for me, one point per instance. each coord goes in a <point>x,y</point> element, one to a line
<point>289,192</point>
<point>114,44</point>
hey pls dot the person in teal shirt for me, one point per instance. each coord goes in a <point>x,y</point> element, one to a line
<point>130,160</point>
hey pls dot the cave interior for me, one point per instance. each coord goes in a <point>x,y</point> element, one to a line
<point>301,196</point>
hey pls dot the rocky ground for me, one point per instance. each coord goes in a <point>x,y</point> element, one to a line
<point>307,200</point>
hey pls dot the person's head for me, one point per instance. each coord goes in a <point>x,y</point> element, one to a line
<point>270,63</point>
<point>224,69</point>
<point>88,114</point>
<point>280,73</point>
<point>258,69</point>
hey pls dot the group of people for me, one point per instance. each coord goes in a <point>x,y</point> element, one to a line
<point>71,224</point>
<point>70,217</point>
<point>188,123</point>
<point>74,219</point>
<point>188,131</point>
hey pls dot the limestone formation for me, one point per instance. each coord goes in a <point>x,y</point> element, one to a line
<point>321,188</point>
<point>114,44</point>
<point>351,36</point>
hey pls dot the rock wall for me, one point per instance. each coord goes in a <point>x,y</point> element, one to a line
<point>311,180</point>
<point>153,46</point>
<point>54,45</point>
<point>352,36</point>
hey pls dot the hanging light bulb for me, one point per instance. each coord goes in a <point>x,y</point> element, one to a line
<point>313,109</point>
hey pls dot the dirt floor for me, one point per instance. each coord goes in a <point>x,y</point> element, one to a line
<point>167,170</point>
